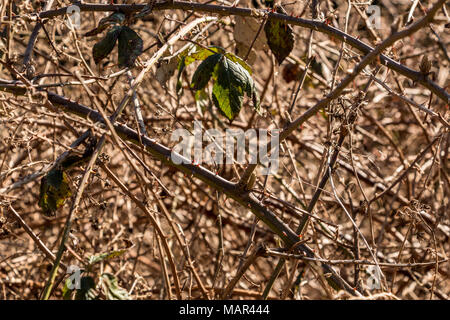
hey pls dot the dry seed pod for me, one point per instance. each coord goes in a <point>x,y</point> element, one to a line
<point>425,65</point>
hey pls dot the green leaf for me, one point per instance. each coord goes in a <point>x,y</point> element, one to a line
<point>111,289</point>
<point>201,99</point>
<point>104,47</point>
<point>130,47</point>
<point>280,38</point>
<point>105,256</point>
<point>235,58</point>
<point>181,66</point>
<point>54,191</point>
<point>205,71</point>
<point>66,291</point>
<point>190,55</point>
<point>87,289</point>
<point>232,79</point>
<point>202,54</point>
<point>114,19</point>
<point>228,100</point>
<point>228,90</point>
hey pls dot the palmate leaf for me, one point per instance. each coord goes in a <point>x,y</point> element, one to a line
<point>130,47</point>
<point>232,79</point>
<point>104,47</point>
<point>280,38</point>
<point>228,90</point>
<point>190,55</point>
<point>232,82</point>
<point>54,191</point>
<point>231,76</point>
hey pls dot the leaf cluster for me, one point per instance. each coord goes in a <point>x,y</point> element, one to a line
<point>231,79</point>
<point>130,43</point>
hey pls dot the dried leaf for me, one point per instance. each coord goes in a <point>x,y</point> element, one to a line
<point>280,38</point>
<point>54,191</point>
<point>425,65</point>
<point>245,31</point>
<point>111,288</point>
<point>104,47</point>
<point>130,47</point>
<point>165,71</point>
